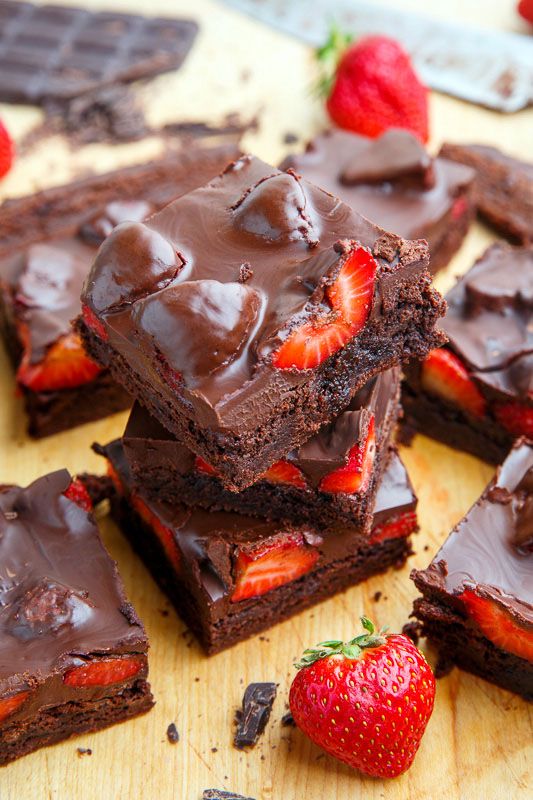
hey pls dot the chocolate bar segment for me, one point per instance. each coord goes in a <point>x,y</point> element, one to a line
<point>59,52</point>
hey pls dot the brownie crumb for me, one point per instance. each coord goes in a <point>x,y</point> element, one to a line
<point>288,720</point>
<point>256,707</point>
<point>413,631</point>
<point>245,272</point>
<point>377,596</point>
<point>163,612</point>
<point>220,794</point>
<point>84,751</point>
<point>214,749</point>
<point>172,734</point>
<point>290,138</point>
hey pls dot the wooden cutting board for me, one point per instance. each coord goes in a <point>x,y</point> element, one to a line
<point>479,741</point>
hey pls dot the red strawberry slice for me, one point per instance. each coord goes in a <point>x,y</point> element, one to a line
<point>164,534</point>
<point>113,474</point>
<point>445,375</point>
<point>459,207</point>
<point>515,418</point>
<point>103,672</point>
<point>8,705</point>
<point>356,475</point>
<point>283,472</point>
<point>350,297</point>
<point>79,495</point>
<point>7,151</point>
<point>498,626</point>
<point>272,563</point>
<point>203,466</point>
<point>399,527</point>
<point>92,322</point>
<point>65,366</point>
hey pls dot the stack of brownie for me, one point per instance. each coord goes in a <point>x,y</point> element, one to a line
<point>260,323</point>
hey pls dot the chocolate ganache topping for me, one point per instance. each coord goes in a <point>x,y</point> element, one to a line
<point>291,237</point>
<point>490,549</point>
<point>392,179</point>
<point>490,319</point>
<point>59,591</point>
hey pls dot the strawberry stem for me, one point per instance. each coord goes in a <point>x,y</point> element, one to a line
<point>329,55</point>
<point>352,649</point>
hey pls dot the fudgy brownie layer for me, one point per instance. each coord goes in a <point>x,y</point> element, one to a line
<point>57,723</point>
<point>503,188</point>
<point>461,644</point>
<point>407,330</point>
<point>424,413</point>
<point>267,610</point>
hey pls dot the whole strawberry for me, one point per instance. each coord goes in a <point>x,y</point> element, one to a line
<point>7,151</point>
<point>367,702</point>
<point>374,86</point>
<point>525,9</point>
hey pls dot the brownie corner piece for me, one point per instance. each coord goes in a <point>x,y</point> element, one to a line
<point>74,651</point>
<point>477,593</point>
<point>295,302</point>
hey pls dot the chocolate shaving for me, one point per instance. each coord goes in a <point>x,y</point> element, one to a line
<point>172,734</point>
<point>256,707</point>
<point>287,720</point>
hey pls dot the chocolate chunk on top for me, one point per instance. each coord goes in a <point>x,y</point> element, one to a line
<point>256,707</point>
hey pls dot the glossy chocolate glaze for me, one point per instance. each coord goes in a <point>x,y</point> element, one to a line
<point>489,321</point>
<point>148,443</point>
<point>61,599</point>
<point>47,259</point>
<point>486,552</point>
<point>391,180</point>
<point>207,540</point>
<point>154,283</point>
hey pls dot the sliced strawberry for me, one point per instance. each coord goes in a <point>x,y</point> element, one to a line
<point>498,626</point>
<point>92,322</point>
<point>515,418</point>
<point>399,527</point>
<point>270,564</point>
<point>285,472</point>
<point>202,466</point>
<point>103,672</point>
<point>164,534</point>
<point>356,474</point>
<point>445,375</point>
<point>8,705</point>
<point>113,474</point>
<point>350,297</point>
<point>79,495</point>
<point>460,205</point>
<point>65,366</point>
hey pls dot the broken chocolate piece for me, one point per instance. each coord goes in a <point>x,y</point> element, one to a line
<point>256,707</point>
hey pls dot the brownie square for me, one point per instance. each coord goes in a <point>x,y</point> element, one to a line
<point>47,244</point>
<point>503,188</point>
<point>477,593</point>
<point>230,575</point>
<point>476,394</point>
<point>53,52</point>
<point>247,313</point>
<point>330,480</point>
<point>393,181</point>
<point>73,653</point>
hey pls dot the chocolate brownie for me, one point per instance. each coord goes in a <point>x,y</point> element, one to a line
<point>503,188</point>
<point>393,181</point>
<point>295,303</point>
<point>47,244</point>
<point>51,51</point>
<point>330,480</point>
<point>477,603</point>
<point>476,394</point>
<point>73,654</point>
<point>230,576</point>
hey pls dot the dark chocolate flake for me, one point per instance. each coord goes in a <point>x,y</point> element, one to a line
<point>256,707</point>
<point>220,794</point>
<point>287,720</point>
<point>172,734</point>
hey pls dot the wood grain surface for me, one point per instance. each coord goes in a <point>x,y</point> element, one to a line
<point>479,741</point>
